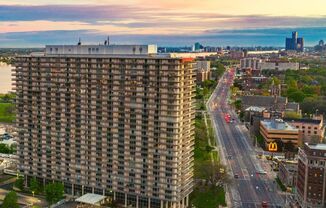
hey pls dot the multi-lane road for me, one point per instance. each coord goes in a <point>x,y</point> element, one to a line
<point>250,186</point>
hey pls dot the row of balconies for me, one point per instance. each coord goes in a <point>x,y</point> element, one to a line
<point>94,84</point>
<point>84,76</point>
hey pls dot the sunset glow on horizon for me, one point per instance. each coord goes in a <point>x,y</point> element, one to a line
<point>161,17</point>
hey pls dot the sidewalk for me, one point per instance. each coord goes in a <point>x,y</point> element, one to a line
<point>9,181</point>
<point>23,199</point>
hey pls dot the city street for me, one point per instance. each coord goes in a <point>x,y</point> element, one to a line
<point>252,183</point>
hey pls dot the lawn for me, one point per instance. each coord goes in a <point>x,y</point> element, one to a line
<point>202,150</point>
<point>205,195</point>
<point>208,197</point>
<point>7,112</point>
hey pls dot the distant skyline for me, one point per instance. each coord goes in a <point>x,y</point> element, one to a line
<point>34,23</point>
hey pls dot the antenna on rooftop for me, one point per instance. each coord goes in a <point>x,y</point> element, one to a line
<point>79,42</point>
<point>107,41</point>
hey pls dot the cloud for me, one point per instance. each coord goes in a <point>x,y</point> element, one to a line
<point>165,22</point>
<point>253,37</point>
<point>84,13</point>
<point>137,19</point>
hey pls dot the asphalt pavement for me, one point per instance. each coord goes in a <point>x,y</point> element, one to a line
<point>248,187</point>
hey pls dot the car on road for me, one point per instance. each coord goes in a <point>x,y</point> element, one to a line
<point>236,176</point>
<point>264,204</point>
<point>261,172</point>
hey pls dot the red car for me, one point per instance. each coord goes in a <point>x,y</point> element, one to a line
<point>227,118</point>
<point>264,204</point>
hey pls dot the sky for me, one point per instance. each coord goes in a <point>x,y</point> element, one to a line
<point>34,23</point>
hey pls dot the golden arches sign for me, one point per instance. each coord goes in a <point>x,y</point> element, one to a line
<point>272,147</point>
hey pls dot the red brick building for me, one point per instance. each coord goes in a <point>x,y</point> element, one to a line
<point>311,180</point>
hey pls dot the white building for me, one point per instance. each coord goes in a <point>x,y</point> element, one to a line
<point>101,49</point>
<point>252,63</point>
<point>279,66</point>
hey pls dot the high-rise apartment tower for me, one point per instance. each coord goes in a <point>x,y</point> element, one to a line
<point>114,120</point>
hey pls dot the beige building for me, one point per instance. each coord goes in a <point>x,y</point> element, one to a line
<point>310,128</point>
<point>202,75</point>
<point>109,120</point>
<point>279,66</point>
<point>274,130</point>
<point>204,65</point>
<point>203,71</point>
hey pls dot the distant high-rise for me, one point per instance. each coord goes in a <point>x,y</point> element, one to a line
<point>294,43</point>
<point>321,43</point>
<point>108,119</point>
<point>197,47</point>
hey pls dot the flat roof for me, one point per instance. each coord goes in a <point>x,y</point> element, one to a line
<point>278,124</point>
<point>146,56</point>
<point>90,198</point>
<point>256,109</point>
<point>317,146</point>
<point>303,120</point>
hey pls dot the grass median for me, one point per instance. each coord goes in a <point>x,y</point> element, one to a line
<point>7,112</point>
<point>206,194</point>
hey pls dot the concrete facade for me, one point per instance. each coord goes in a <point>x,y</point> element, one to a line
<point>117,125</point>
<point>275,130</point>
<point>278,66</point>
<point>310,128</point>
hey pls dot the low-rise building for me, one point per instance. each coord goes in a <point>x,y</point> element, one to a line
<point>310,128</point>
<point>237,54</point>
<point>252,63</point>
<point>269,102</point>
<point>254,115</point>
<point>202,76</point>
<point>287,173</point>
<point>272,103</point>
<point>311,180</point>
<point>205,65</point>
<point>278,65</point>
<point>276,130</point>
<point>203,71</point>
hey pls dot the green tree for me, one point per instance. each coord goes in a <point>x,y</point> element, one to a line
<point>291,114</point>
<point>5,149</point>
<point>297,96</point>
<point>309,90</point>
<point>237,104</point>
<point>10,200</point>
<point>35,186</point>
<point>205,91</point>
<point>276,80</point>
<point>293,84</point>
<point>19,183</point>
<point>54,192</point>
